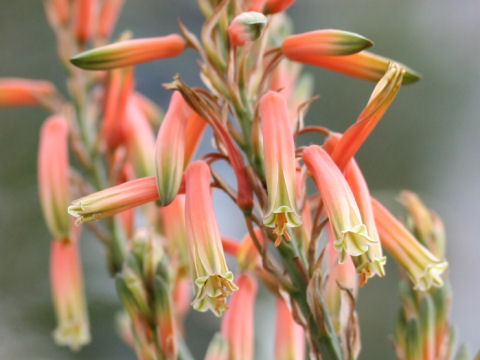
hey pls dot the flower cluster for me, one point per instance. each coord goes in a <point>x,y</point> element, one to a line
<point>154,193</point>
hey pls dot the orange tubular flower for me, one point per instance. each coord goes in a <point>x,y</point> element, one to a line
<point>422,266</point>
<point>130,52</point>
<point>326,42</point>
<point>289,336</point>
<point>68,296</point>
<point>84,13</point>
<point>53,172</point>
<point>170,148</point>
<point>364,65</point>
<point>246,27</point>
<point>153,113</point>
<point>119,89</point>
<point>114,200</point>
<point>237,324</point>
<point>212,278</point>
<point>279,152</point>
<point>109,13</point>
<point>23,92</point>
<point>276,6</point>
<point>193,134</point>
<point>350,232</point>
<point>381,98</point>
<point>140,141</point>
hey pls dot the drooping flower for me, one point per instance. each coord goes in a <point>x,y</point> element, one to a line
<point>279,153</point>
<point>68,294</point>
<point>364,65</point>
<point>114,200</point>
<point>246,27</point>
<point>325,42</point>
<point>130,52</point>
<point>212,278</point>
<point>170,148</point>
<point>53,173</point>
<point>424,268</point>
<point>23,92</point>
<point>381,98</point>
<point>351,236</point>
<point>289,336</point>
<point>237,323</point>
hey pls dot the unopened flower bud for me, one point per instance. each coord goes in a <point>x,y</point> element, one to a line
<point>53,173</point>
<point>23,92</point>
<point>164,319</point>
<point>351,235</point>
<point>68,295</point>
<point>114,200</point>
<point>279,153</point>
<point>170,148</point>
<point>327,42</point>
<point>130,52</point>
<point>212,278</point>
<point>246,27</point>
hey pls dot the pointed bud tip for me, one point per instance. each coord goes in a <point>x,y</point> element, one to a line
<point>411,76</point>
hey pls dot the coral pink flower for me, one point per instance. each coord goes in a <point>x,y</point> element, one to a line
<point>326,42</point>
<point>289,336</point>
<point>246,27</point>
<point>84,19</point>
<point>363,65</point>
<point>53,173</point>
<point>140,140</point>
<point>170,148</point>
<point>130,52</point>
<point>109,13</point>
<point>276,6</point>
<point>212,278</point>
<point>279,153</point>
<point>350,232</point>
<point>381,98</point>
<point>193,134</point>
<point>422,266</point>
<point>181,297</point>
<point>61,10</point>
<point>237,323</point>
<point>153,113</point>
<point>68,296</point>
<point>23,92</point>
<point>255,5</point>
<point>114,200</point>
<point>119,89</point>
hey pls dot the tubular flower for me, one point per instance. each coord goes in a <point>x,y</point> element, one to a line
<point>246,27</point>
<point>68,296</point>
<point>109,13</point>
<point>130,52</point>
<point>372,262</point>
<point>170,148</point>
<point>289,336</point>
<point>84,14</point>
<point>364,65</point>
<point>153,113</point>
<point>381,98</point>
<point>350,232</point>
<point>140,141</point>
<point>276,6</point>
<point>422,266</point>
<point>53,173</point>
<point>213,281</point>
<point>327,42</point>
<point>114,200</point>
<point>237,324</point>
<point>23,92</point>
<point>279,152</point>
<point>119,89</point>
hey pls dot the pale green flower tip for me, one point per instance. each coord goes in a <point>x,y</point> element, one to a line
<point>213,296</point>
<point>432,276</point>
<point>293,219</point>
<point>354,241</point>
<point>75,209</point>
<point>75,335</point>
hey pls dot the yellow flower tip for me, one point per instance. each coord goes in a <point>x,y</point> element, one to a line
<point>354,241</point>
<point>213,291</point>
<point>73,334</point>
<point>432,276</point>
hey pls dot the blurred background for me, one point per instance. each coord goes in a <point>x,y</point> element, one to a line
<point>427,142</point>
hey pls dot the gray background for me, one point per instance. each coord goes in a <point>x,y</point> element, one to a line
<point>428,142</point>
